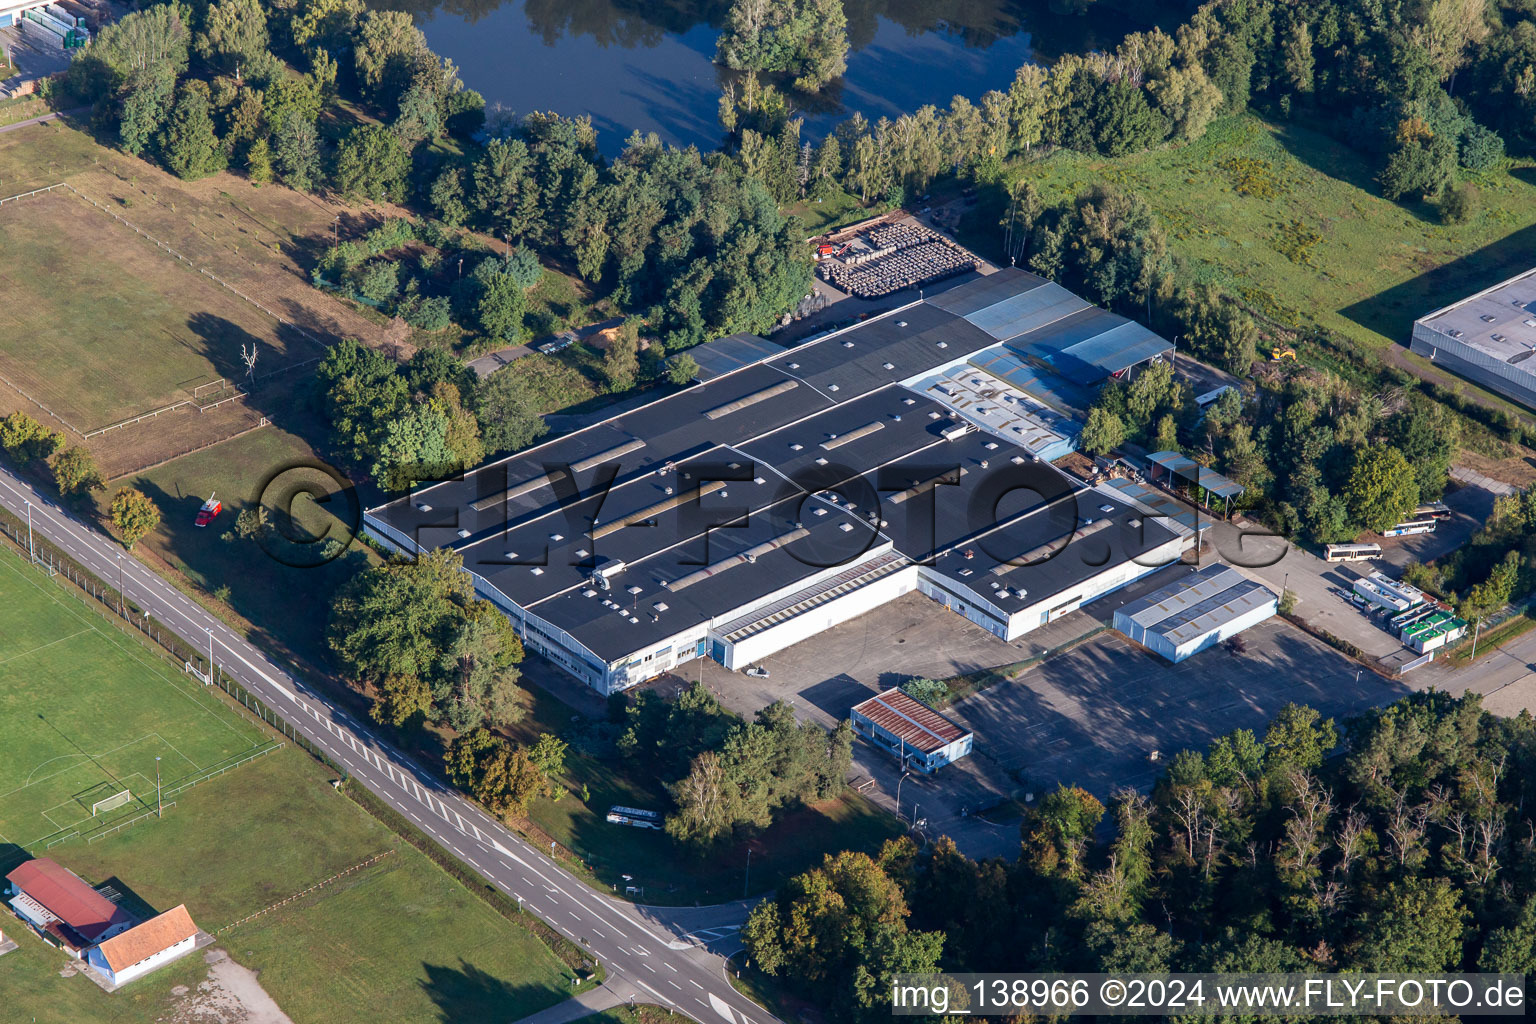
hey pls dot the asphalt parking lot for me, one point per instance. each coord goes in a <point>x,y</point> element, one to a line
<point>1094,715</point>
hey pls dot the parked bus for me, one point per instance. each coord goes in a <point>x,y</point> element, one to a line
<point>1351,552</point>
<point>1438,510</point>
<point>634,816</point>
<point>1410,527</point>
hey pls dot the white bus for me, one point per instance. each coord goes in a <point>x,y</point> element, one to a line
<point>1351,552</point>
<point>634,816</point>
<point>1411,527</point>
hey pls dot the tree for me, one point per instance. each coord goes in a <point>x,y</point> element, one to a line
<point>298,152</point>
<point>188,144</point>
<point>371,162</point>
<point>146,99</point>
<point>621,363</point>
<point>75,472</point>
<point>933,692</point>
<point>1057,831</point>
<point>134,514</point>
<point>509,415</point>
<point>708,803</point>
<point>1103,432</point>
<point>27,441</point>
<point>1188,99</point>
<point>258,162</point>
<point>1416,927</point>
<point>807,38</point>
<point>398,619</point>
<point>386,44</point>
<point>234,33</point>
<point>494,299</point>
<point>1299,738</point>
<point>1382,488</point>
<point>502,777</point>
<point>681,368</point>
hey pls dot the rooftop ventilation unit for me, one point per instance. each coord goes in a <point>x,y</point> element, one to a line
<point>422,506</point>
<point>463,534</point>
<point>537,571</point>
<point>847,344</point>
<point>901,323</point>
<point>889,366</point>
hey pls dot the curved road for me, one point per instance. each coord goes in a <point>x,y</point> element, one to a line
<point>654,954</point>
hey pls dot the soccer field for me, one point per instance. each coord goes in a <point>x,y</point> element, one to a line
<point>87,710</point>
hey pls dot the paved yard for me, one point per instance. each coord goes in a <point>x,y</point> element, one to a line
<point>1095,715</point>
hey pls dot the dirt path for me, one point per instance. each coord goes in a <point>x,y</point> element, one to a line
<point>230,994</point>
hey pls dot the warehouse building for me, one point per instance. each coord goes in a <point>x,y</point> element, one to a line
<point>1199,611</point>
<point>1488,338</point>
<point>795,489</point>
<point>921,738</point>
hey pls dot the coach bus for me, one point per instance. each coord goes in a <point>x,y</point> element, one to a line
<point>634,816</point>
<point>1438,510</point>
<point>1351,552</point>
<point>1410,527</point>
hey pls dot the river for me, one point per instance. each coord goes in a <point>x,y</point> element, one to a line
<point>648,64</point>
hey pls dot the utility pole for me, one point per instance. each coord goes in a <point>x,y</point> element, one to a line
<point>159,807</point>
<point>747,882</point>
<point>120,584</point>
<point>899,781</point>
<point>31,555</point>
<point>209,631</point>
<point>1476,630</point>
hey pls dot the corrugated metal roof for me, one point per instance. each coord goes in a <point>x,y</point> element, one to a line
<point>1197,604</point>
<point>909,719</point>
<point>1187,468</point>
<point>66,896</point>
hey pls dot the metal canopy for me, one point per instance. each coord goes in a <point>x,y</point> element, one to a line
<point>1208,479</point>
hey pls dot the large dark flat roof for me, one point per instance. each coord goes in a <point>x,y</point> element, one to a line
<point>644,487</point>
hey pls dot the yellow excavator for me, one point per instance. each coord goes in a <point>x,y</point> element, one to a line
<point>1282,352</point>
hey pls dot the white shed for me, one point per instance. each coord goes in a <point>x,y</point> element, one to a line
<point>1196,612</point>
<point>146,947</point>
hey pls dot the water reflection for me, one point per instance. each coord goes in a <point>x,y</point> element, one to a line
<point>648,64</point>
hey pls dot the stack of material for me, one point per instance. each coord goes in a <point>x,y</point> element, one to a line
<point>929,259</point>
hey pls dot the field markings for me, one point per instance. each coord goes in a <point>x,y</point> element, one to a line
<point>44,647</point>
<point>136,654</point>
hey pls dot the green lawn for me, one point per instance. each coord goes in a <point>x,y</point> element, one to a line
<point>1292,220</point>
<point>87,712</point>
<point>278,587</point>
<point>397,941</point>
<point>836,211</point>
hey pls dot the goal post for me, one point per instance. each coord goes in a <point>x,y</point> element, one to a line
<point>111,803</point>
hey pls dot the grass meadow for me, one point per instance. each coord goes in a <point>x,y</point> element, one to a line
<point>398,940</point>
<point>1293,221</point>
<point>100,324</point>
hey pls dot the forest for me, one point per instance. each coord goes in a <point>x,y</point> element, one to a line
<point>1395,841</point>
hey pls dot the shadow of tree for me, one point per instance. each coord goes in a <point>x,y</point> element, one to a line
<point>467,993</point>
<point>1391,312</point>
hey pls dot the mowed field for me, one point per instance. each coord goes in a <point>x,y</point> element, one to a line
<point>1293,221</point>
<point>99,324</point>
<point>86,712</point>
<point>395,941</point>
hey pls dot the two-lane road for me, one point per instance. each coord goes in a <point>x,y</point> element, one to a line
<point>635,945</point>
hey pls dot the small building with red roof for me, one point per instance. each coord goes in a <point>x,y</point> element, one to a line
<point>145,947</point>
<point>61,907</point>
<point>922,738</point>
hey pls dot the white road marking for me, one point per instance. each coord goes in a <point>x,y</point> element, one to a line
<point>720,1007</point>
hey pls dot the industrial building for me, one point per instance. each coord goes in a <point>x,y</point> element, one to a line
<point>919,736</point>
<point>1196,612</point>
<point>794,489</point>
<point>1488,338</point>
